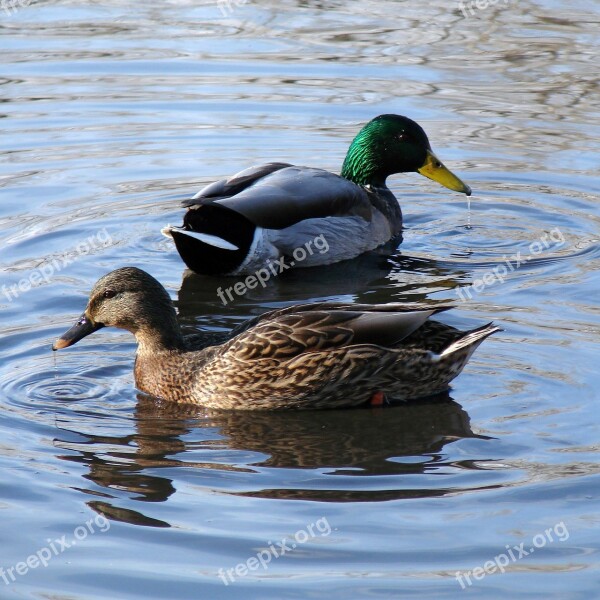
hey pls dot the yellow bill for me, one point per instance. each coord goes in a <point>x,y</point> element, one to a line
<point>433,168</point>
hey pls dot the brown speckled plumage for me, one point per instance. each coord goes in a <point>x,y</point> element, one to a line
<point>323,355</point>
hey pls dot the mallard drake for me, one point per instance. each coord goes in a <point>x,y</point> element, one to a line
<point>322,355</point>
<point>306,216</point>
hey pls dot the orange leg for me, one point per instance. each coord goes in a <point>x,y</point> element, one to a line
<point>377,399</point>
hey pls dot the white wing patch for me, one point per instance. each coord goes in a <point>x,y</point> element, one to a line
<point>207,238</point>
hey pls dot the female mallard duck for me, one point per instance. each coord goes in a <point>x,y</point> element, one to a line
<point>306,356</point>
<point>264,213</point>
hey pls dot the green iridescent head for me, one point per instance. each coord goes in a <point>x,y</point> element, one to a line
<point>394,144</point>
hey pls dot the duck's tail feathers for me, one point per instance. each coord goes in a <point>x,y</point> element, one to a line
<point>166,231</point>
<point>206,238</point>
<point>213,239</point>
<point>470,340</point>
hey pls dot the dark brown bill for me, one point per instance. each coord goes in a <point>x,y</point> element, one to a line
<point>82,328</point>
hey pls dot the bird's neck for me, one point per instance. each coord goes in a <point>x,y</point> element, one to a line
<point>159,333</point>
<point>161,369</point>
<point>363,165</point>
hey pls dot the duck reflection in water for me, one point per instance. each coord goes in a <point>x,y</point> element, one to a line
<point>383,275</point>
<point>350,445</point>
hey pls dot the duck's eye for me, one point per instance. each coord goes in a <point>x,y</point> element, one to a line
<point>403,137</point>
<point>109,294</point>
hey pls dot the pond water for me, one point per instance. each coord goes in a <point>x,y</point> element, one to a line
<point>112,113</point>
